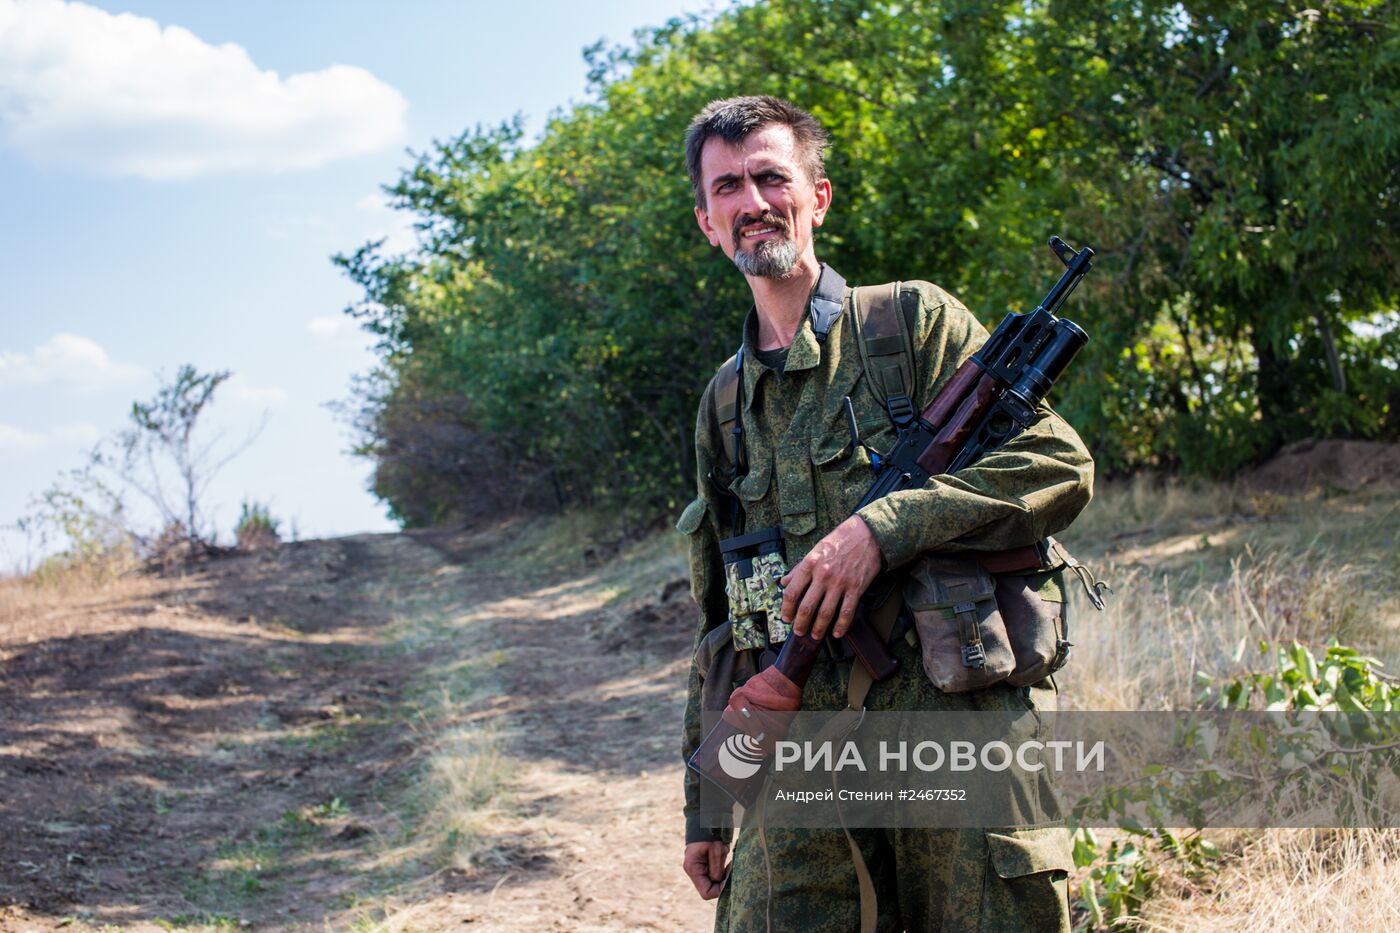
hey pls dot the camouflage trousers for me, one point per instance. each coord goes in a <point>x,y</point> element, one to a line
<point>1012,879</point>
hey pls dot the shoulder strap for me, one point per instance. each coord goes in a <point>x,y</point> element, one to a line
<point>886,350</point>
<point>827,300</point>
<point>726,402</point>
<point>727,408</point>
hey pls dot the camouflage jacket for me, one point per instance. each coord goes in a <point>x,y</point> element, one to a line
<point>805,474</point>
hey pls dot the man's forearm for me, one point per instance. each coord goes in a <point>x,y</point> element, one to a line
<point>1032,487</point>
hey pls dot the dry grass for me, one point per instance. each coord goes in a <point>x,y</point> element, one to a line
<point>56,606</point>
<point>453,815</point>
<point>1293,879</point>
<point>461,789</point>
<point>464,779</point>
<point>462,794</point>
<point>1196,571</point>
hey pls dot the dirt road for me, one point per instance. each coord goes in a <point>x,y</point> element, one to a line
<point>396,731</point>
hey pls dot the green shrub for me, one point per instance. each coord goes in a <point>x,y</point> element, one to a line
<point>256,528</point>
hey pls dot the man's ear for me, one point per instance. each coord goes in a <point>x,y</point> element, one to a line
<point>703,219</point>
<point>823,201</point>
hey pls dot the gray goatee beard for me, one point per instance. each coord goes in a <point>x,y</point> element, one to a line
<point>769,259</point>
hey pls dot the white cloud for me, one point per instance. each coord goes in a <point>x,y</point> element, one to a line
<point>119,94</point>
<point>241,391</point>
<point>329,325</point>
<point>394,227</point>
<point>74,435</point>
<point>300,228</point>
<point>66,360</point>
<point>13,438</point>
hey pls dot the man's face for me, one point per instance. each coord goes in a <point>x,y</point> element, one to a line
<point>760,206</point>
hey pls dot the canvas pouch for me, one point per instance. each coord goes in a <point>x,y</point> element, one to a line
<point>1033,607</point>
<point>977,628</point>
<point>962,635</point>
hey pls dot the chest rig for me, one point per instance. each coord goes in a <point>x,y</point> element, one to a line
<point>754,562</point>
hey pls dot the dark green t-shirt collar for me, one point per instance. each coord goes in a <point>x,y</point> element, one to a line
<point>803,353</point>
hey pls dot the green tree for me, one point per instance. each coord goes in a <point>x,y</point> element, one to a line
<point>1234,164</point>
<point>1242,162</point>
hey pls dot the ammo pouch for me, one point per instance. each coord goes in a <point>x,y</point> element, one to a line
<point>977,629</point>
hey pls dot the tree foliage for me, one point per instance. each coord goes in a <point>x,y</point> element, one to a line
<point>1236,165</point>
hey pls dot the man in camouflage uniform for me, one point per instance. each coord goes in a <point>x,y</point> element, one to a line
<point>761,190</point>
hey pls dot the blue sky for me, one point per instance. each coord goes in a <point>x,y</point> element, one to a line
<point>174,181</point>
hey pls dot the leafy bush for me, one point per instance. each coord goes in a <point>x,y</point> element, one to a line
<point>256,528</point>
<point>88,518</point>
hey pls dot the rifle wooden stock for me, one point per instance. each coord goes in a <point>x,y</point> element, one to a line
<point>798,655</point>
<point>745,736</point>
<point>951,435</point>
<point>752,735</point>
<point>952,394</point>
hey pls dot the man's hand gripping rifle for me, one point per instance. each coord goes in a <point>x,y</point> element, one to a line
<point>991,398</point>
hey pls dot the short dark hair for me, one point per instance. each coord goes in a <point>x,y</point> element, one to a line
<point>734,118</point>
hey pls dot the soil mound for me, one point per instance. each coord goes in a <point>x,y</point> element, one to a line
<point>1344,465</point>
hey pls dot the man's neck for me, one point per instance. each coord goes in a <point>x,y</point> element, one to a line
<point>782,302</point>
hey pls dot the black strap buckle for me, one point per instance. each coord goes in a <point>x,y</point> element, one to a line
<point>901,409</point>
<point>974,656</point>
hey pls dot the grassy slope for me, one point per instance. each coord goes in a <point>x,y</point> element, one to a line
<point>1196,571</point>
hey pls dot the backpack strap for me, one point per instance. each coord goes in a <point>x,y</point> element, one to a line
<point>886,350</point>
<point>886,353</point>
<point>726,402</point>
<point>728,413</point>
<point>825,307</point>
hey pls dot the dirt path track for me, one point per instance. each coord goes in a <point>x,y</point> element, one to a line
<point>251,745</point>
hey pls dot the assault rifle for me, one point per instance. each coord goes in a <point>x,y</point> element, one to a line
<point>991,398</point>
